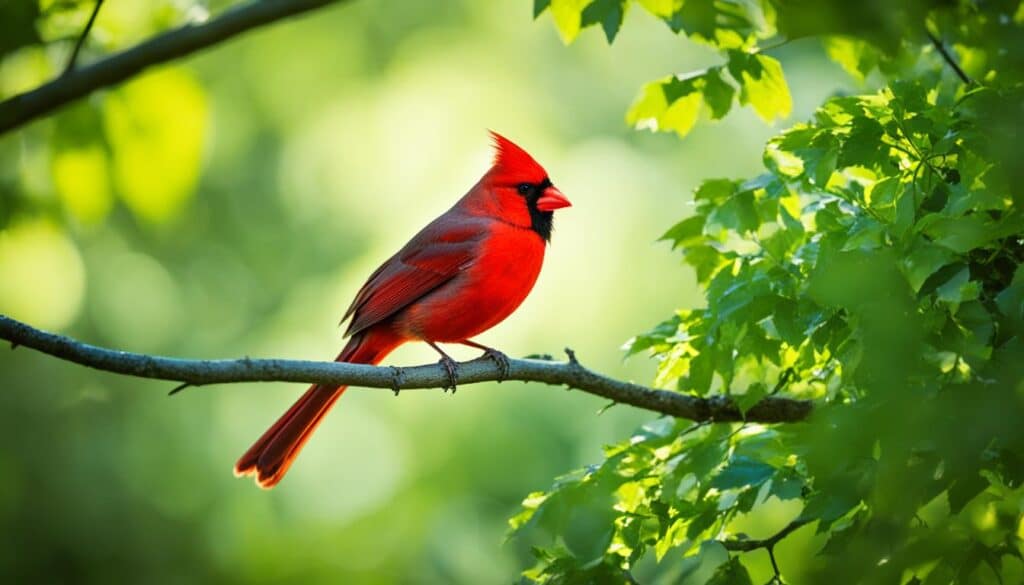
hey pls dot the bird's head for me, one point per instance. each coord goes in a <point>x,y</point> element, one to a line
<point>522,188</point>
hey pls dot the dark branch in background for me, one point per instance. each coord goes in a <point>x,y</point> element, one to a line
<point>78,83</point>
<point>82,37</point>
<point>484,369</point>
<point>768,544</point>
<point>948,57</point>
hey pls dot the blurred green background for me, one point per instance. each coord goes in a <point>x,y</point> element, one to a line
<point>232,203</point>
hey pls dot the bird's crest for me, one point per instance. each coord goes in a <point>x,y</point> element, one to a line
<point>510,158</point>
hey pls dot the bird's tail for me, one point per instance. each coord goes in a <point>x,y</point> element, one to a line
<point>273,453</point>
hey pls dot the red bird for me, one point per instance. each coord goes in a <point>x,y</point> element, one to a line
<point>464,273</point>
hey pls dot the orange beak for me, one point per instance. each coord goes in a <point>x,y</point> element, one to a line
<point>552,199</point>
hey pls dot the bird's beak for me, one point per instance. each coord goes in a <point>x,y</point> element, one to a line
<point>552,199</point>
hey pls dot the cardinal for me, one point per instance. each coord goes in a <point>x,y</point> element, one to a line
<point>462,274</point>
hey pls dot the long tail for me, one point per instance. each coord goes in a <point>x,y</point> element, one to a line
<point>273,453</point>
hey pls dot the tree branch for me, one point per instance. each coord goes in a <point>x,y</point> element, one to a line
<point>484,369</point>
<point>747,545</point>
<point>768,544</point>
<point>81,39</point>
<point>77,83</point>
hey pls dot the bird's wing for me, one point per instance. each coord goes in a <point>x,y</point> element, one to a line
<point>433,257</point>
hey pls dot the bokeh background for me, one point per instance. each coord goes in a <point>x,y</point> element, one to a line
<point>232,203</point>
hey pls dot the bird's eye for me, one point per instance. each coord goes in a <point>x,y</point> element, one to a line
<point>524,188</point>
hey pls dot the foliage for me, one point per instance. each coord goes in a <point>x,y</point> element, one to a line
<point>874,267</point>
<point>127,147</point>
<point>246,236</point>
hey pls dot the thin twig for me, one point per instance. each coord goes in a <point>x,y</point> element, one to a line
<point>82,37</point>
<point>771,47</point>
<point>483,369</point>
<point>948,57</point>
<point>178,388</point>
<point>747,545</point>
<point>768,544</point>
<point>783,380</point>
<point>777,577</point>
<point>185,40</point>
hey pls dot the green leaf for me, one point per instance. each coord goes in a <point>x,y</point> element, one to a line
<point>674,103</point>
<point>737,214</point>
<point>718,93</point>
<point>959,234</point>
<point>856,56</point>
<point>884,193</point>
<point>1011,300</point>
<point>976,326</point>
<point>820,159</point>
<point>828,506</point>
<point>682,115</point>
<point>589,527</point>
<point>865,234</point>
<point>658,335</point>
<point>958,289</point>
<point>669,104</point>
<point>539,6</point>
<point>608,13</point>
<point>661,8</point>
<point>861,147</point>
<point>705,260</point>
<point>742,472</point>
<point>787,485</point>
<point>567,15</point>
<point>923,260</point>
<point>715,191</point>
<point>723,25</point>
<point>762,84</point>
<point>705,456</point>
<point>686,231</point>
<point>696,17</point>
<point>704,520</point>
<point>731,573</point>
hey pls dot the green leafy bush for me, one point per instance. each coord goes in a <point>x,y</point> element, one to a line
<point>874,267</point>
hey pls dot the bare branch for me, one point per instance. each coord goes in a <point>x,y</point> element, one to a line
<point>484,369</point>
<point>747,545</point>
<point>77,83</point>
<point>768,544</point>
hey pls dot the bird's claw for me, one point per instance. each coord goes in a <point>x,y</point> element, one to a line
<point>504,365</point>
<point>452,368</point>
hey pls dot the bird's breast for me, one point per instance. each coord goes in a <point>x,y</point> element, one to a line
<point>490,288</point>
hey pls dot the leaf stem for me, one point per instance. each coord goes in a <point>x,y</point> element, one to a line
<point>746,545</point>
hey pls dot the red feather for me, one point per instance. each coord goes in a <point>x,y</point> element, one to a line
<point>462,274</point>
<point>430,259</point>
<point>509,158</point>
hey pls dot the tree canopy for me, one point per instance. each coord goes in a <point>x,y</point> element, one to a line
<point>874,266</point>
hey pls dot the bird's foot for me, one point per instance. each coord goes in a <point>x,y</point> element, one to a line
<point>504,365</point>
<point>452,368</point>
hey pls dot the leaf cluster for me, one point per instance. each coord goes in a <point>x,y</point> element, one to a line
<point>874,267</point>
